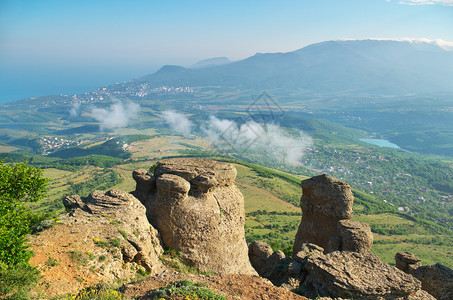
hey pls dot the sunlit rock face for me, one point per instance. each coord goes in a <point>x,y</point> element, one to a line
<point>199,211</point>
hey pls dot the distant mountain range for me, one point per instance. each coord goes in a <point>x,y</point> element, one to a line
<point>381,67</point>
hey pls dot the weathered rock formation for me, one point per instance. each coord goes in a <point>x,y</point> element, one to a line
<point>437,280</point>
<point>333,253</point>
<point>406,262</point>
<point>327,209</point>
<point>282,271</point>
<point>102,238</point>
<point>360,276</point>
<point>142,244</point>
<point>345,274</point>
<point>199,211</point>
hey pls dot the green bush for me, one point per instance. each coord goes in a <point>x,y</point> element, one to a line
<point>186,288</point>
<point>16,279</point>
<point>19,183</point>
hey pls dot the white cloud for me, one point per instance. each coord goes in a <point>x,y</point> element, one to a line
<point>178,122</point>
<point>269,140</point>
<point>75,109</point>
<point>427,2</point>
<point>118,115</point>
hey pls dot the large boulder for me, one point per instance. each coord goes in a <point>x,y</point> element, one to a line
<point>259,254</point>
<point>198,211</point>
<point>325,201</point>
<point>360,276</point>
<point>437,280</point>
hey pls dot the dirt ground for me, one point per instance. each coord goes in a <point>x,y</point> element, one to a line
<point>232,286</point>
<point>69,259</point>
<point>65,274</point>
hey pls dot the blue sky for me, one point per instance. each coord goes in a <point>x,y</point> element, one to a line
<point>53,46</point>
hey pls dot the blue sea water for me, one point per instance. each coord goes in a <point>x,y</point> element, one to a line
<point>17,83</point>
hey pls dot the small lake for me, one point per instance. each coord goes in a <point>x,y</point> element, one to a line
<point>381,143</point>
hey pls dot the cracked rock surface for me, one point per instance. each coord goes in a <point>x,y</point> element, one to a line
<point>360,276</point>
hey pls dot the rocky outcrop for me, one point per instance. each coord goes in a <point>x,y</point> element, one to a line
<point>199,211</point>
<point>437,280</point>
<point>141,240</point>
<point>334,252</point>
<point>406,262</point>
<point>345,274</point>
<point>360,276</point>
<point>327,209</point>
<point>325,200</point>
<point>102,238</point>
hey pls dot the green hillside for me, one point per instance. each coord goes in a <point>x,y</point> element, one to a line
<point>271,204</point>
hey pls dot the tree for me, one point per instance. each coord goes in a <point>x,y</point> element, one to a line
<point>19,183</point>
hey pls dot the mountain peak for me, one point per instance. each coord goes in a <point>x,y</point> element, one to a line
<point>170,69</point>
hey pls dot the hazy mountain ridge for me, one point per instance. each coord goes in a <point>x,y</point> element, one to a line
<point>363,66</point>
<point>356,67</point>
<point>210,62</point>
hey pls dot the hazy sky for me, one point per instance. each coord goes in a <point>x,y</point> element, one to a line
<point>53,46</point>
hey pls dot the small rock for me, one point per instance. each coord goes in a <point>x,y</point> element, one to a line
<point>294,268</point>
<point>259,253</point>
<point>406,262</point>
<point>307,250</point>
<point>72,202</point>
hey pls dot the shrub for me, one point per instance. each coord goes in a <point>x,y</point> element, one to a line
<point>186,288</point>
<point>17,279</point>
